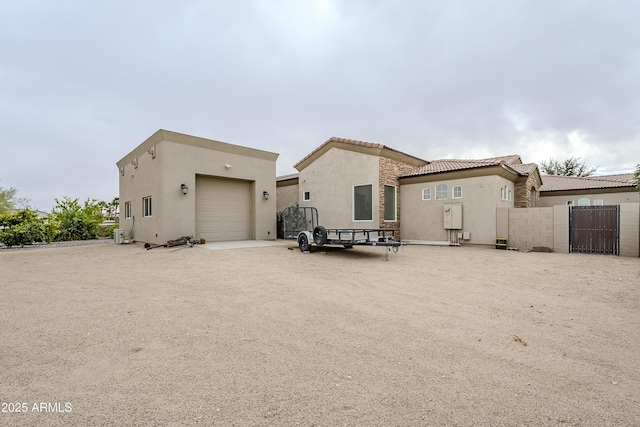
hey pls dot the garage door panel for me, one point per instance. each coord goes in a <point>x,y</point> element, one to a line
<point>223,209</point>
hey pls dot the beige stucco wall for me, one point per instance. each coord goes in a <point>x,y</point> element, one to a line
<point>286,195</point>
<point>330,180</point>
<point>175,163</point>
<point>136,183</point>
<point>630,229</point>
<point>423,219</point>
<point>607,198</point>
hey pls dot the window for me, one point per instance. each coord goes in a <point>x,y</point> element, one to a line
<point>457,192</point>
<point>146,206</point>
<point>426,194</point>
<point>441,191</point>
<point>598,202</point>
<point>306,196</point>
<point>362,203</point>
<point>127,209</point>
<point>584,201</point>
<point>389,203</point>
<point>505,193</point>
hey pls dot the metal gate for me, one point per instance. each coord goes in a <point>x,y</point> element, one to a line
<point>594,229</point>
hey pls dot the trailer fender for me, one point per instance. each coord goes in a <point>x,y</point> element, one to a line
<point>304,241</point>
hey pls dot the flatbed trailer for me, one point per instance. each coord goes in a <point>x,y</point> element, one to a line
<point>301,223</point>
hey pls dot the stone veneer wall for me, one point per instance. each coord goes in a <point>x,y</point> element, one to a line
<point>522,196</point>
<point>390,170</point>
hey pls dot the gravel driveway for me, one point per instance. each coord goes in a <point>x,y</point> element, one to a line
<point>118,335</point>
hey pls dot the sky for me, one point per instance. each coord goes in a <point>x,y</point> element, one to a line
<point>82,83</point>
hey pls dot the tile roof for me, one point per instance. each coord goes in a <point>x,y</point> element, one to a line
<point>450,165</point>
<point>356,143</point>
<point>563,183</point>
<point>525,169</point>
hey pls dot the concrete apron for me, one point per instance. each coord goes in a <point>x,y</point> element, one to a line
<point>244,244</point>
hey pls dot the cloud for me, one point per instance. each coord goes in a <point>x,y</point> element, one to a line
<point>84,83</point>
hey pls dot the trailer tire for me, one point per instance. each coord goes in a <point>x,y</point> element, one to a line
<point>303,243</point>
<point>320,235</point>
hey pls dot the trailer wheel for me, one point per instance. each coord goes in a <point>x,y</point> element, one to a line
<point>320,235</point>
<point>303,243</point>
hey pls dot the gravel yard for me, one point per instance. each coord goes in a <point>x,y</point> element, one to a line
<point>106,334</point>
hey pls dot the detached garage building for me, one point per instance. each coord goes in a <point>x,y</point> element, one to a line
<point>174,185</point>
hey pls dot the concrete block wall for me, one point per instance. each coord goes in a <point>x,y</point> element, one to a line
<point>549,226</point>
<point>630,229</point>
<point>531,227</point>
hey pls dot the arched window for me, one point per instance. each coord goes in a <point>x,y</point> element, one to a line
<point>426,194</point>
<point>457,192</point>
<point>584,201</point>
<point>441,191</point>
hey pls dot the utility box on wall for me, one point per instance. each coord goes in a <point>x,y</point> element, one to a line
<point>453,216</point>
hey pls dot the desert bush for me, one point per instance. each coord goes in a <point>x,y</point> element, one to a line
<point>108,232</point>
<point>77,222</point>
<point>21,228</point>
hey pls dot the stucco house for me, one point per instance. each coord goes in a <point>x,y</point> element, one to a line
<point>452,200</point>
<point>357,184</point>
<point>174,185</point>
<point>589,191</point>
<point>354,184</point>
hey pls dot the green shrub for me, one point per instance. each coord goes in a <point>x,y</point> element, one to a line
<point>108,232</point>
<point>51,228</point>
<point>21,228</point>
<point>77,222</point>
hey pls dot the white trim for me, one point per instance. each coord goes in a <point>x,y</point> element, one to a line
<point>446,192</point>
<point>144,207</point>
<point>306,196</point>
<point>453,192</point>
<point>423,190</point>
<point>395,203</point>
<point>353,203</point>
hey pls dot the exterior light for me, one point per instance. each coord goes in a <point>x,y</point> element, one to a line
<point>265,193</point>
<point>185,189</point>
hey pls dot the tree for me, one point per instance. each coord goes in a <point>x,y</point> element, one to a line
<point>21,228</point>
<point>77,222</point>
<point>7,200</point>
<point>570,167</point>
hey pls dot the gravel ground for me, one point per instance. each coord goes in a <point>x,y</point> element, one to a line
<point>44,245</point>
<point>117,335</point>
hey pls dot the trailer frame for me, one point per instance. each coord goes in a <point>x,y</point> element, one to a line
<point>302,224</point>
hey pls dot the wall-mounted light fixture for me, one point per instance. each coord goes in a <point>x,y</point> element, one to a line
<point>185,189</point>
<point>265,193</point>
<point>227,166</point>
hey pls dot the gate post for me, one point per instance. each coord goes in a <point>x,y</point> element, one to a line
<point>561,228</point>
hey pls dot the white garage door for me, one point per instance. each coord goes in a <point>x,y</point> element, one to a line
<point>223,210</point>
